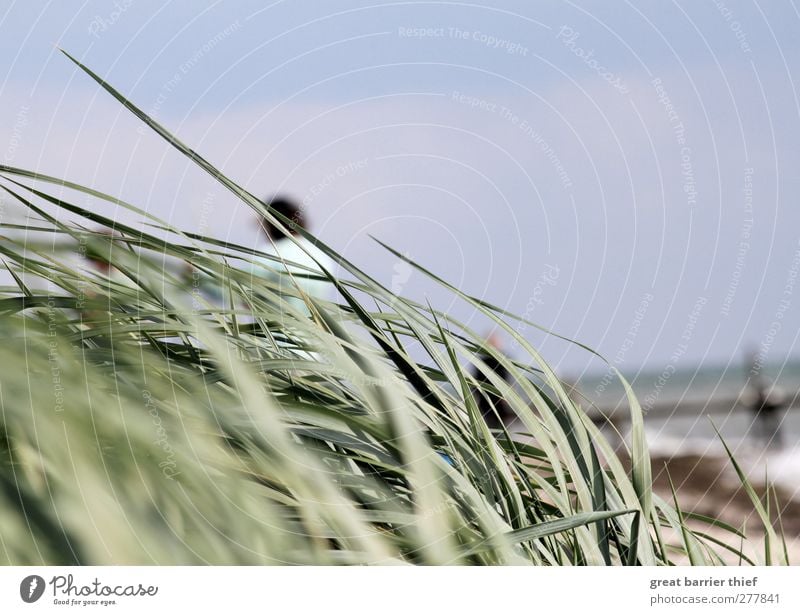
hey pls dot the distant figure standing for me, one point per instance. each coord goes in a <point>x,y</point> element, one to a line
<point>766,406</point>
<point>287,276</point>
<point>494,409</point>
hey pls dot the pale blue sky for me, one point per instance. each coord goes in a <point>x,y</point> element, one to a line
<point>495,155</point>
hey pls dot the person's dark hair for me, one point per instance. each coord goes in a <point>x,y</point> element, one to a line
<point>288,209</point>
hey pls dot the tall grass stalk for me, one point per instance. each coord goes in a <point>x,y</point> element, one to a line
<point>145,423</point>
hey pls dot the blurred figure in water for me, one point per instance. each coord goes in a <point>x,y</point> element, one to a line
<point>766,404</point>
<point>298,253</point>
<point>494,409</point>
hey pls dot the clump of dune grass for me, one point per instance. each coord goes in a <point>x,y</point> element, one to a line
<point>143,422</point>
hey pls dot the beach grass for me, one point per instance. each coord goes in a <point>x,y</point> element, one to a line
<point>146,420</point>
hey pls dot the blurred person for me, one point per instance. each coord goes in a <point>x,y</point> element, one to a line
<point>99,256</point>
<point>110,291</point>
<point>293,251</point>
<point>766,403</point>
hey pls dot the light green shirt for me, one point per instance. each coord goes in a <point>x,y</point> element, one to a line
<point>279,274</point>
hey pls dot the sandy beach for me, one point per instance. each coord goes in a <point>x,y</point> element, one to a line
<point>708,485</point>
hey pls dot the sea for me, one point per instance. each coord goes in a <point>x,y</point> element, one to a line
<point>692,411</point>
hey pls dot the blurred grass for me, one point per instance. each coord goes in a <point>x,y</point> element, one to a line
<point>143,422</point>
